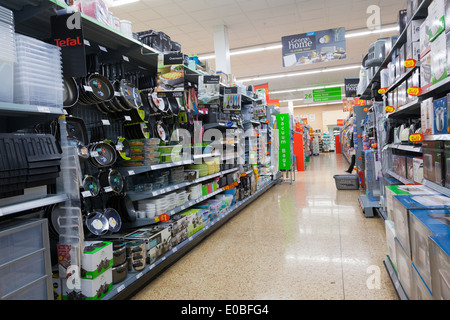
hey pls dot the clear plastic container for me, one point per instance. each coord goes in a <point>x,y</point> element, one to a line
<point>6,81</point>
<point>37,94</point>
<point>26,41</point>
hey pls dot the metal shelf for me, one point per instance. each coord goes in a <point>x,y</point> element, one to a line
<point>399,178</point>
<point>135,281</point>
<point>437,137</point>
<point>32,204</point>
<point>135,196</point>
<point>436,187</point>
<point>405,147</point>
<point>402,78</point>
<point>437,89</point>
<point>13,109</point>
<point>394,278</point>
<point>409,110</point>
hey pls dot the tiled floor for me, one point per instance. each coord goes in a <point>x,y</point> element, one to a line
<point>305,241</point>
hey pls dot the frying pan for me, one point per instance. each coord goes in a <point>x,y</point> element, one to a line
<point>127,208</point>
<point>161,131</point>
<point>111,178</point>
<point>106,154</point>
<point>70,94</point>
<point>125,150</point>
<point>102,89</point>
<point>97,223</point>
<point>76,129</point>
<point>173,103</point>
<point>129,94</point>
<point>92,184</point>
<point>114,219</point>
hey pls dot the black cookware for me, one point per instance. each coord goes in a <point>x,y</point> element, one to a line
<point>91,183</point>
<point>111,179</point>
<point>102,154</point>
<point>70,94</point>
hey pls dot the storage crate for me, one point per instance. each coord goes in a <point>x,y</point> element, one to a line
<point>347,182</point>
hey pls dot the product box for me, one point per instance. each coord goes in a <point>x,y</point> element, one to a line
<point>397,190</point>
<point>403,204</point>
<point>418,170</point>
<point>447,38</point>
<point>410,168</point>
<point>446,164</point>
<point>440,266</point>
<point>179,228</point>
<point>391,71</point>
<point>390,241</point>
<point>433,155</point>
<point>158,241</point>
<point>439,58</point>
<point>426,79</point>
<point>427,116</point>
<point>414,51</point>
<point>195,220</point>
<point>97,257</point>
<point>422,224</point>
<point>414,30</point>
<point>384,78</point>
<point>402,94</point>
<point>436,16</point>
<point>404,268</point>
<point>424,38</point>
<point>57,287</point>
<point>420,291</point>
<point>90,289</point>
<point>440,115</point>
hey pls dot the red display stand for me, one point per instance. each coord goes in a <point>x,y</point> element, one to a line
<point>338,144</point>
<point>298,151</point>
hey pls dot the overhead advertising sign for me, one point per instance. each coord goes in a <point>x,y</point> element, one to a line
<point>351,86</point>
<point>323,95</point>
<point>314,47</point>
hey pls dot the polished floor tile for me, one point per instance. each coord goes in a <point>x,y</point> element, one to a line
<point>299,241</point>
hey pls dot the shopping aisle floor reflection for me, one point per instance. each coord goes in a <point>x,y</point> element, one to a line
<point>305,241</point>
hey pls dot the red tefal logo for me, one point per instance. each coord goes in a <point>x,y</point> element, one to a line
<point>68,42</point>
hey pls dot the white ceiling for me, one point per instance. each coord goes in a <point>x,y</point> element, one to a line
<point>255,22</point>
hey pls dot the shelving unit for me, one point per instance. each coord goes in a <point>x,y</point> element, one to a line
<point>110,46</point>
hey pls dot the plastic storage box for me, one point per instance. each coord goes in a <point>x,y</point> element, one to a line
<point>7,55</point>
<point>347,182</point>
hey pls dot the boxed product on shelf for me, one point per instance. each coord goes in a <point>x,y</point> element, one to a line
<point>396,190</point>
<point>194,219</point>
<point>439,58</point>
<point>413,51</point>
<point>8,56</point>
<point>97,257</point>
<point>436,16</point>
<point>420,291</point>
<point>447,164</point>
<point>402,94</point>
<point>425,71</point>
<point>427,116</point>
<point>404,268</point>
<point>403,204</point>
<point>447,16</point>
<point>384,78</point>
<point>422,224</point>
<point>440,266</point>
<point>418,170</point>
<point>390,241</point>
<point>440,115</point>
<point>424,38</point>
<point>410,168</point>
<point>178,226</point>
<point>447,39</point>
<point>433,154</point>
<point>414,30</point>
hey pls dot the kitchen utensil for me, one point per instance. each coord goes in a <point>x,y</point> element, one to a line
<point>70,93</point>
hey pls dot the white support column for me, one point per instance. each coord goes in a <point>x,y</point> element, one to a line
<point>222,49</point>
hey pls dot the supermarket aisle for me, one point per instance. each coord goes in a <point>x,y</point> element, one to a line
<point>305,241</point>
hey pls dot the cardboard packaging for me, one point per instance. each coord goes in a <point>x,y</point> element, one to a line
<point>439,58</point>
<point>436,16</point>
<point>427,116</point>
<point>440,266</point>
<point>422,224</point>
<point>447,164</point>
<point>433,154</point>
<point>390,241</point>
<point>97,257</point>
<point>420,291</point>
<point>194,219</point>
<point>179,228</point>
<point>426,79</point>
<point>418,170</point>
<point>414,31</point>
<point>91,289</point>
<point>403,204</point>
<point>447,38</point>
<point>424,38</point>
<point>397,190</point>
<point>404,268</point>
<point>440,115</point>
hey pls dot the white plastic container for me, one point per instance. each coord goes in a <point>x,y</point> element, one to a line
<point>126,28</point>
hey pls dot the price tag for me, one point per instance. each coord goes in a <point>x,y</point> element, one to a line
<point>86,194</point>
<point>87,88</point>
<point>140,274</point>
<point>106,122</point>
<point>182,207</point>
<point>389,109</point>
<point>174,250</point>
<point>414,91</point>
<point>86,43</point>
<point>94,154</point>
<point>382,90</point>
<point>131,172</point>
<point>126,58</point>
<point>190,238</point>
<point>107,189</point>
<point>117,94</point>
<point>120,288</point>
<point>164,218</point>
<point>102,48</point>
<point>119,147</point>
<point>127,118</point>
<point>410,63</point>
<point>44,109</point>
<point>416,138</point>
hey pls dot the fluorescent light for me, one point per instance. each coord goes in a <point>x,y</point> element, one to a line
<point>366,33</point>
<point>117,3</point>
<point>297,74</point>
<point>244,51</point>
